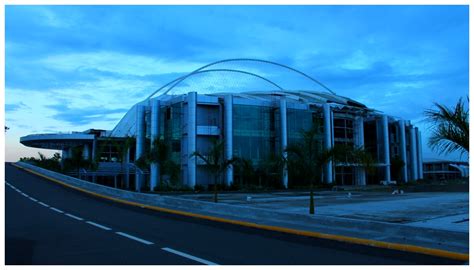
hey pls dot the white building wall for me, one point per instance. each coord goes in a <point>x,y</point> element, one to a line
<point>192,104</point>
<point>154,132</point>
<point>284,139</point>
<point>403,149</point>
<point>328,139</point>
<point>228,136</point>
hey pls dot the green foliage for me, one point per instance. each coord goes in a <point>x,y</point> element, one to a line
<point>199,188</point>
<point>53,163</point>
<point>215,162</point>
<point>122,146</point>
<point>309,157</point>
<point>450,128</point>
<point>142,162</point>
<point>396,163</point>
<point>77,162</point>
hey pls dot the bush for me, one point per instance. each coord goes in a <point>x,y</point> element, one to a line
<point>199,188</point>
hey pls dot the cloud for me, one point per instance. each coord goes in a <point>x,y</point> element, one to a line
<point>15,107</point>
<point>82,116</point>
<point>103,59</point>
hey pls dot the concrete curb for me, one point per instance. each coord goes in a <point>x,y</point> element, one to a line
<point>241,215</point>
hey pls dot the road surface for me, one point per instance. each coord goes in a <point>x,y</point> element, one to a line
<point>46,223</point>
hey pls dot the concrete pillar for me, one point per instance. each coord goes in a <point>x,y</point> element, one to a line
<point>359,142</point>
<point>127,168</point>
<point>328,139</point>
<point>192,104</point>
<point>420,154</point>
<point>69,152</point>
<point>284,139</point>
<point>413,156</point>
<point>386,147</point>
<point>154,133</point>
<point>403,150</point>
<point>228,136</point>
<point>85,152</point>
<point>64,154</point>
<point>94,149</point>
<point>140,142</point>
<point>63,157</point>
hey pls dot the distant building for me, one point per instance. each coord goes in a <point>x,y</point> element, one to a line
<point>254,125</point>
<point>438,169</point>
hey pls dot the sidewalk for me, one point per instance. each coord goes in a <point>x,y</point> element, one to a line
<point>437,210</point>
<point>434,219</point>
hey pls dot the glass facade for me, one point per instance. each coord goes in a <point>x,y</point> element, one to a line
<point>298,121</point>
<point>254,132</point>
<point>171,129</point>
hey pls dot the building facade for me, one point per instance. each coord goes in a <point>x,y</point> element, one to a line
<point>254,125</point>
<point>436,169</point>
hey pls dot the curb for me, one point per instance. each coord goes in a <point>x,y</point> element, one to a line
<point>340,238</point>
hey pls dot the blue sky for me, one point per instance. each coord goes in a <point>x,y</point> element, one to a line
<point>70,68</point>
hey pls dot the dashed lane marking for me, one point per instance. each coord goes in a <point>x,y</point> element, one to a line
<point>98,225</point>
<point>74,217</point>
<point>56,209</point>
<point>135,238</point>
<point>43,204</point>
<point>191,257</point>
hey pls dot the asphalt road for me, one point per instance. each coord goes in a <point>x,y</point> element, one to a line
<point>46,223</point>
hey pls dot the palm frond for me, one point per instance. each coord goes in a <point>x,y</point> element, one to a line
<point>450,128</point>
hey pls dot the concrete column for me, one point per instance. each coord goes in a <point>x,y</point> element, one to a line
<point>228,136</point>
<point>140,142</point>
<point>64,154</point>
<point>403,150</point>
<point>94,153</point>
<point>94,149</point>
<point>359,142</point>
<point>192,104</point>
<point>386,147</point>
<point>284,139</point>
<point>154,133</point>
<point>413,157</point>
<point>127,168</point>
<point>85,152</point>
<point>63,157</point>
<point>420,154</point>
<point>328,139</point>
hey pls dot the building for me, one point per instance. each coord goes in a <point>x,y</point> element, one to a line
<point>254,125</point>
<point>438,169</point>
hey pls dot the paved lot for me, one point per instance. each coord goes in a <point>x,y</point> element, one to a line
<point>440,210</point>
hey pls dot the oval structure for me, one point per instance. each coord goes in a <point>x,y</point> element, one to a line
<point>256,109</point>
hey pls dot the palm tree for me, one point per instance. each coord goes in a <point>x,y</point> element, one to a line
<point>450,128</point>
<point>215,161</point>
<point>246,170</point>
<point>311,156</point>
<point>159,154</point>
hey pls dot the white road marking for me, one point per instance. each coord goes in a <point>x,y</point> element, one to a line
<point>43,204</point>
<point>74,217</point>
<point>33,199</point>
<point>25,195</point>
<point>99,226</point>
<point>135,238</point>
<point>56,209</point>
<point>191,257</point>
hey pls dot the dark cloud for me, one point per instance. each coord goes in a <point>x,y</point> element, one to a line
<point>83,116</point>
<point>15,107</point>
